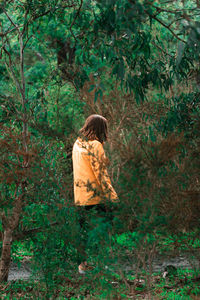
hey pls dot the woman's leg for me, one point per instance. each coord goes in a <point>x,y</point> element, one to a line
<point>83,217</point>
<point>86,214</point>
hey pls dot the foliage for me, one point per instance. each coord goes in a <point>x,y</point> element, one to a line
<point>136,63</point>
<point>184,285</point>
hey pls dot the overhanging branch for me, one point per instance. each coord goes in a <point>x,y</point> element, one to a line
<point>166,26</point>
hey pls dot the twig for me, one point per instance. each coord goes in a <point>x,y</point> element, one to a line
<point>157,46</point>
<point>25,23</point>
<point>175,11</point>
<point>11,21</point>
<point>3,34</point>
<point>162,23</point>
<point>166,26</point>
<point>28,233</point>
<point>53,10</point>
<point>28,39</point>
<point>72,24</point>
<point>11,70</point>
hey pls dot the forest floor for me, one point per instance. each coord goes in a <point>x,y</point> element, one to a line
<point>85,287</point>
<point>23,271</point>
<point>120,283</point>
<point>124,278</point>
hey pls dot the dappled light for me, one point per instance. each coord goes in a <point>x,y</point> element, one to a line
<point>99,149</point>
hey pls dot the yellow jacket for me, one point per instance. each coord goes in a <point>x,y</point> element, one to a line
<point>92,184</point>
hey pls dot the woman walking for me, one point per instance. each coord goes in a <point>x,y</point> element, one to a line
<point>92,186</point>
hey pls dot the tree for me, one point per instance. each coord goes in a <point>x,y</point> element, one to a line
<point>15,37</point>
<point>141,45</point>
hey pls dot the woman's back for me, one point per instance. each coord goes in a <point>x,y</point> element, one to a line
<point>91,180</point>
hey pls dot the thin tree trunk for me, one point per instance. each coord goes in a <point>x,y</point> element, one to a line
<point>6,255</point>
<point>12,221</point>
<point>9,224</point>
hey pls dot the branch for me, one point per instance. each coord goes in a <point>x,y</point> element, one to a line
<point>3,34</point>
<point>175,20</point>
<point>11,21</point>
<point>175,11</point>
<point>28,39</point>
<point>29,233</point>
<point>157,46</point>
<point>53,10</point>
<point>8,2</point>
<point>12,71</point>
<point>166,26</point>
<point>14,219</point>
<point>77,14</point>
<point>161,22</point>
<point>25,23</point>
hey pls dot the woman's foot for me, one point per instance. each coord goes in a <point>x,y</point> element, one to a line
<point>84,267</point>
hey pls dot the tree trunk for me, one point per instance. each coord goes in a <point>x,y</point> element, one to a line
<point>9,224</point>
<point>5,255</point>
<point>12,221</point>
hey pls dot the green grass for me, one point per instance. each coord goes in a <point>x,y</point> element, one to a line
<point>183,286</point>
<point>183,241</point>
<point>114,283</point>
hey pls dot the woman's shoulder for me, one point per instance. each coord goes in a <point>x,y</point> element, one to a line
<point>95,144</point>
<point>91,145</point>
<point>88,143</point>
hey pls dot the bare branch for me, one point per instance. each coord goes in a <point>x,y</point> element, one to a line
<point>11,70</point>
<point>160,48</point>
<point>166,26</point>
<point>162,23</point>
<point>11,21</point>
<point>28,39</point>
<point>30,232</point>
<point>3,34</point>
<point>25,22</point>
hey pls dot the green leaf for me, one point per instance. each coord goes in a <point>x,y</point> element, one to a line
<point>91,88</point>
<point>96,96</point>
<point>181,49</point>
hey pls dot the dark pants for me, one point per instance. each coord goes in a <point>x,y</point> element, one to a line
<point>89,215</point>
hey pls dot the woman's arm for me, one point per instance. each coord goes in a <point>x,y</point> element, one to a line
<point>98,163</point>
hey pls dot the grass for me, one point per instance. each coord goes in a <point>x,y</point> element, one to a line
<point>108,285</point>
<point>171,242</point>
<point>113,283</point>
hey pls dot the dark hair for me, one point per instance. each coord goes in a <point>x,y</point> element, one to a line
<point>95,127</point>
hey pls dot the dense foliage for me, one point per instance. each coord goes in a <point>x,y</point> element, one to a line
<point>136,63</point>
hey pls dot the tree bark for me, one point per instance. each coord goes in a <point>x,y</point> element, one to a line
<point>6,255</point>
<point>9,224</point>
<point>11,221</point>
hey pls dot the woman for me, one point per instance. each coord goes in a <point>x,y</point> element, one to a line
<point>92,185</point>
